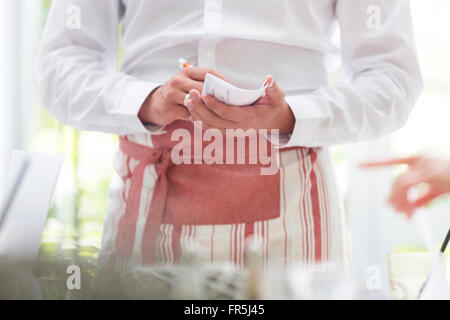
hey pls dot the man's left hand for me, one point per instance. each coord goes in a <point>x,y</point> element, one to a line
<point>271,111</point>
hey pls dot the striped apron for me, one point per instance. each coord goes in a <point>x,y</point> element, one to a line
<point>157,208</point>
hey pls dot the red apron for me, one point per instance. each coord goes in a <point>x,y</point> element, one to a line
<point>194,194</point>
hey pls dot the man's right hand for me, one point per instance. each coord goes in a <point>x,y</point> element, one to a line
<point>165,104</point>
<point>432,171</point>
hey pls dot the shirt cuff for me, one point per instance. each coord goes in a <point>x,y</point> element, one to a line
<point>155,128</point>
<point>279,141</point>
<point>307,117</point>
<point>131,100</point>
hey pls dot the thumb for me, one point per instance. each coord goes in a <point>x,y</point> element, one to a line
<point>426,198</point>
<point>273,90</point>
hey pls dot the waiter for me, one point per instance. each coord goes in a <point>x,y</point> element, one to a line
<point>156,208</point>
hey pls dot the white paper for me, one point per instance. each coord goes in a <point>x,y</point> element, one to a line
<point>22,227</point>
<point>229,94</point>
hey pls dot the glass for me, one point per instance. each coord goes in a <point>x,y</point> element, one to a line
<point>408,273</point>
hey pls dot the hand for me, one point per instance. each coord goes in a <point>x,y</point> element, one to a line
<point>433,172</point>
<point>165,104</point>
<point>271,111</point>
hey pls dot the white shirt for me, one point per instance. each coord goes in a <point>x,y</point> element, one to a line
<point>244,40</point>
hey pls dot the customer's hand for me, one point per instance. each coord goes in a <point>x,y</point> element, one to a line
<point>431,171</point>
<point>165,104</point>
<point>270,112</point>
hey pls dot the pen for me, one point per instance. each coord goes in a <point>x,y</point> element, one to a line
<point>183,63</point>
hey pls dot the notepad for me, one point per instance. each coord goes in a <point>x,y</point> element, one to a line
<point>226,93</point>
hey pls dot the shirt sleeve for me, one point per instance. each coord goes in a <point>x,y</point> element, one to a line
<point>379,57</point>
<point>76,72</point>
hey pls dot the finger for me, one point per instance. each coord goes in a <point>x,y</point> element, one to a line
<point>409,206</point>
<point>391,162</point>
<point>198,122</point>
<point>190,84</point>
<point>402,205</point>
<point>177,97</point>
<point>411,178</point>
<point>399,201</point>
<point>426,198</point>
<point>178,112</point>
<point>273,91</point>
<point>227,112</point>
<point>268,81</point>
<point>404,182</point>
<point>199,73</point>
<point>409,213</point>
<point>205,113</point>
<point>264,100</point>
<point>400,189</point>
<point>205,126</point>
<point>423,200</point>
<point>398,193</point>
<point>194,115</point>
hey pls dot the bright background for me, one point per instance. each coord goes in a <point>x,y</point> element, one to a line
<point>80,203</point>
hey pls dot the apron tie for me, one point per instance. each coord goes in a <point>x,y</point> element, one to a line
<point>157,207</point>
<point>161,158</point>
